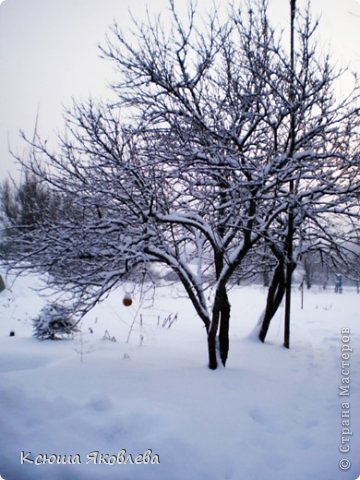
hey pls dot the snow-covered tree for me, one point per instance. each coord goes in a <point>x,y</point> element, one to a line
<point>198,178</point>
<point>319,134</point>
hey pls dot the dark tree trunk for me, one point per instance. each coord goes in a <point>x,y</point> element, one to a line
<point>224,328</point>
<point>213,363</point>
<point>275,295</point>
<point>219,344</point>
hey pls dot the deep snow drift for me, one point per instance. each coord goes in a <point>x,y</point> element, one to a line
<point>272,414</point>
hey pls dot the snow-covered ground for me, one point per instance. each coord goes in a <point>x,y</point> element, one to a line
<point>272,414</point>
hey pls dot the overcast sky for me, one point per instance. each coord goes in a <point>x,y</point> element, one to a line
<point>48,53</point>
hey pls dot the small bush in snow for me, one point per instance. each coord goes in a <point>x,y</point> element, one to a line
<point>54,323</point>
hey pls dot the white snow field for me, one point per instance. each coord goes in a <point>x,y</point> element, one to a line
<point>272,414</point>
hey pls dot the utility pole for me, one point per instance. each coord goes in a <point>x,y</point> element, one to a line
<point>290,233</point>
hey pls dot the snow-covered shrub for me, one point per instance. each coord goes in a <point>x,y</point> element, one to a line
<point>54,323</point>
